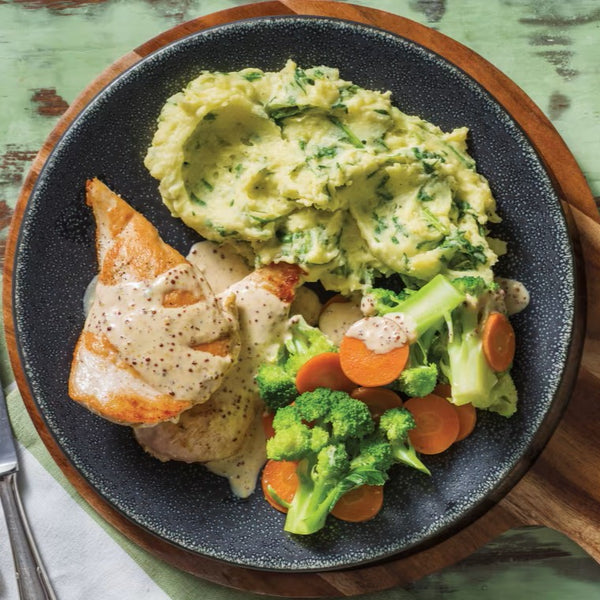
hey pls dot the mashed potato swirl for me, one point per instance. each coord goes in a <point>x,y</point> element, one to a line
<point>303,167</point>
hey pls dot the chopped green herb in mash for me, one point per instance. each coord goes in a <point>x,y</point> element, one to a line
<point>303,167</point>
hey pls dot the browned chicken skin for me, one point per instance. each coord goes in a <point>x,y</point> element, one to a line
<point>110,374</point>
<point>218,428</point>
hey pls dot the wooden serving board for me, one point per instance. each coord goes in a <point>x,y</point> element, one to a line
<point>562,488</point>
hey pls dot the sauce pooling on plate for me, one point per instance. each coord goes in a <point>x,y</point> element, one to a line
<point>241,469</point>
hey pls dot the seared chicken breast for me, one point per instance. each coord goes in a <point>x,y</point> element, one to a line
<point>156,341</point>
<point>219,428</point>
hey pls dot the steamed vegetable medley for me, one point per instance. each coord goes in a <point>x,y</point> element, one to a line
<point>303,167</point>
<point>406,380</point>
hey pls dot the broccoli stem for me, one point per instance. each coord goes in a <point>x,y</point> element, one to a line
<point>470,376</point>
<point>426,307</point>
<point>407,455</point>
<point>312,501</point>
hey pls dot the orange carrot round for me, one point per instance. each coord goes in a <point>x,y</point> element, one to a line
<point>279,481</point>
<point>498,341</point>
<point>323,370</point>
<point>444,390</point>
<point>437,424</point>
<point>267,424</point>
<point>360,504</point>
<point>378,399</point>
<point>368,368</point>
<point>467,418</point>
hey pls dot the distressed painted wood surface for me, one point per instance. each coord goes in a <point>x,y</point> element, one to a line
<point>548,48</point>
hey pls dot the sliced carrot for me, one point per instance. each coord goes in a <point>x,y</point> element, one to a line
<point>467,414</point>
<point>267,423</point>
<point>498,341</point>
<point>368,368</point>
<point>378,399</point>
<point>443,389</point>
<point>437,424</point>
<point>323,370</point>
<point>279,482</point>
<point>467,417</point>
<point>360,504</point>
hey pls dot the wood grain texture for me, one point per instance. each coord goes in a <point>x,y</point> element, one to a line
<point>553,493</point>
<point>561,490</point>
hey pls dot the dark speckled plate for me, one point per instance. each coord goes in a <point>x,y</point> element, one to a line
<point>186,505</point>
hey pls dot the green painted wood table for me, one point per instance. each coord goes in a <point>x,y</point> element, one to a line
<point>51,49</point>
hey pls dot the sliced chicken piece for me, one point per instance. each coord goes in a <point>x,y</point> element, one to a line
<point>156,341</point>
<point>243,467</point>
<point>218,428</point>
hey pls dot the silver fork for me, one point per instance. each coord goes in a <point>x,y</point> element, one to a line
<point>32,580</point>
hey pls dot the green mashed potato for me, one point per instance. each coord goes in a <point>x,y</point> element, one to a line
<point>303,167</point>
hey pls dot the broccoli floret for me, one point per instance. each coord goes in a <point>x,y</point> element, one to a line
<point>342,415</point>
<point>503,397</point>
<point>275,386</point>
<point>420,376</point>
<point>395,423</point>
<point>316,406</point>
<point>350,420</point>
<point>464,365</point>
<point>333,437</point>
<point>370,463</point>
<point>474,285</point>
<point>385,301</point>
<point>276,380</point>
<point>467,369</point>
<point>319,480</point>
<point>294,439</point>
<point>417,381</point>
<point>303,342</point>
<point>424,313</point>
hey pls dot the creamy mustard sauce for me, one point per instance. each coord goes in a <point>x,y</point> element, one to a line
<point>516,295</point>
<point>379,334</point>
<point>337,317</point>
<point>243,468</point>
<point>406,324</point>
<point>263,323</point>
<point>367,307</point>
<point>158,341</point>
<point>221,265</point>
<point>259,315</point>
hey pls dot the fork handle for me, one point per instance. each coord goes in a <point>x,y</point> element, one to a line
<point>32,579</point>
